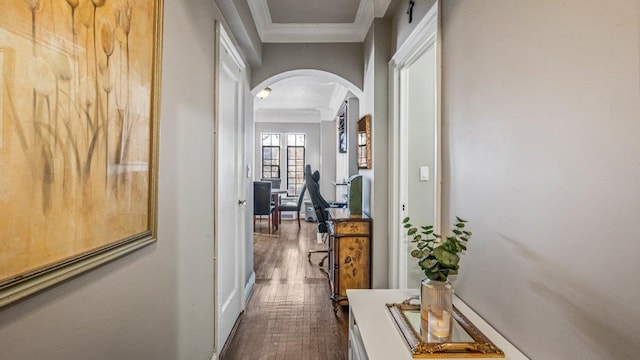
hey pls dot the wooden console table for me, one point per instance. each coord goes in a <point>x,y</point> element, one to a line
<point>374,336</point>
<point>349,253</point>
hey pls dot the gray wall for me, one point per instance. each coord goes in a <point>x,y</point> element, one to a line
<point>400,23</point>
<point>541,101</point>
<point>240,21</point>
<point>156,303</point>
<point>344,59</point>
<point>375,102</point>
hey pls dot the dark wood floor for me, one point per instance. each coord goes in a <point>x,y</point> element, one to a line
<point>289,314</point>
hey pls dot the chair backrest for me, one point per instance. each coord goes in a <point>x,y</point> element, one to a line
<point>261,198</point>
<point>319,204</point>
<point>275,182</point>
<point>301,197</point>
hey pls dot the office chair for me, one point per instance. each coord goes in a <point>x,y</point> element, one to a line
<point>320,206</point>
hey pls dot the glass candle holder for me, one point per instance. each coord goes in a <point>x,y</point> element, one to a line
<point>436,309</point>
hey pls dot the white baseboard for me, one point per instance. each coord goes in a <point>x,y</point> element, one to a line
<point>249,287</point>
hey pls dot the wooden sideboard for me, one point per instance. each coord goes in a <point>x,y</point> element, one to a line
<point>349,253</point>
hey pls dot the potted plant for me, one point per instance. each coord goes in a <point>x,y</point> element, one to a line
<point>438,258</point>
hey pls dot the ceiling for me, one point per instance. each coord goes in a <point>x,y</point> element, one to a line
<point>305,21</point>
<point>309,98</point>
<point>300,99</point>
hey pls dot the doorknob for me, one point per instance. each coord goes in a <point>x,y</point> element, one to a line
<point>242,202</point>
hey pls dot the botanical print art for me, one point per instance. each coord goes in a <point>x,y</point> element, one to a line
<point>76,80</point>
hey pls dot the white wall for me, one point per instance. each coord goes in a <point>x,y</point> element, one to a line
<point>156,303</point>
<point>312,151</point>
<point>376,103</point>
<point>249,148</point>
<point>328,152</point>
<point>541,101</point>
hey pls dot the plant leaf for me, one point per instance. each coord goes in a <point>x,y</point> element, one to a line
<point>412,231</point>
<point>405,220</point>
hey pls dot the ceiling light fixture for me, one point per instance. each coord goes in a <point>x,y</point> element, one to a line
<point>264,93</point>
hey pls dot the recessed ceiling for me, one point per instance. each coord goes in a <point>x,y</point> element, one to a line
<point>305,21</point>
<point>313,11</point>
<point>300,99</point>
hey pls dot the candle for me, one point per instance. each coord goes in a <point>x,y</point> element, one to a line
<point>440,326</point>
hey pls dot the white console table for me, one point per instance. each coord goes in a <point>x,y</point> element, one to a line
<point>374,336</point>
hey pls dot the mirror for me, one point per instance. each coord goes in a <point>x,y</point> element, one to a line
<point>364,142</point>
<point>467,340</point>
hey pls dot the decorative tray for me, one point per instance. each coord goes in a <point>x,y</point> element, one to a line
<point>466,341</point>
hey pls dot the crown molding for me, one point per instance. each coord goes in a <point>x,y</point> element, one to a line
<point>316,32</point>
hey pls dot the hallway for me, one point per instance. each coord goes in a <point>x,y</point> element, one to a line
<point>289,314</point>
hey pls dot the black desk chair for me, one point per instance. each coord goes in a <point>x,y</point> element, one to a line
<point>292,206</point>
<point>262,202</point>
<point>320,206</point>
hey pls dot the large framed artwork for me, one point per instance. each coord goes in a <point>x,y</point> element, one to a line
<point>79,100</point>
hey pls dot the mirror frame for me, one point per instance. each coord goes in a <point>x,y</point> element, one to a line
<point>364,126</point>
<point>482,347</point>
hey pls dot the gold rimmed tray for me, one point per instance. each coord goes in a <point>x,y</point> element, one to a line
<point>467,340</point>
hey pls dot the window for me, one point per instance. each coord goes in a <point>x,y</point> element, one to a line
<point>295,163</point>
<point>270,156</point>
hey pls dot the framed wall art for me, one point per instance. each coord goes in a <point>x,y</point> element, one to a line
<point>79,89</point>
<point>342,129</point>
<point>364,142</point>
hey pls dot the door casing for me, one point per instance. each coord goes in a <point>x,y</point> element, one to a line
<point>427,34</point>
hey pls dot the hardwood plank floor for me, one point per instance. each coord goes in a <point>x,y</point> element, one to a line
<point>289,314</point>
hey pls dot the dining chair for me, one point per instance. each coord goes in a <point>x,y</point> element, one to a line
<point>275,182</point>
<point>294,206</point>
<point>262,202</point>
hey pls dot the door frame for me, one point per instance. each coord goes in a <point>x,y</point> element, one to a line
<point>223,41</point>
<point>426,34</point>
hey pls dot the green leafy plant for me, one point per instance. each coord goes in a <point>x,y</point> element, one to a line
<point>438,257</point>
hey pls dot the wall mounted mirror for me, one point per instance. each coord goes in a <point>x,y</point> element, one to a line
<point>364,142</point>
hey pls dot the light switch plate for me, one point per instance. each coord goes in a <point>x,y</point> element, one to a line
<point>424,173</point>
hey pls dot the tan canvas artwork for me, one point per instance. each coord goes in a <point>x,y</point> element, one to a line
<point>76,118</point>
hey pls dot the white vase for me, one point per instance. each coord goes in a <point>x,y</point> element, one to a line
<point>436,310</point>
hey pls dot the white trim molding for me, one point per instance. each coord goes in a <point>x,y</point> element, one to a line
<point>308,72</point>
<point>248,289</point>
<point>426,35</point>
<point>316,32</point>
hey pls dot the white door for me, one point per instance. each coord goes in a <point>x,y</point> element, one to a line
<point>418,174</point>
<point>415,144</point>
<point>229,191</point>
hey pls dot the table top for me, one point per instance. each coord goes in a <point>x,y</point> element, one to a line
<point>382,339</point>
<point>278,191</point>
<point>344,214</point>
